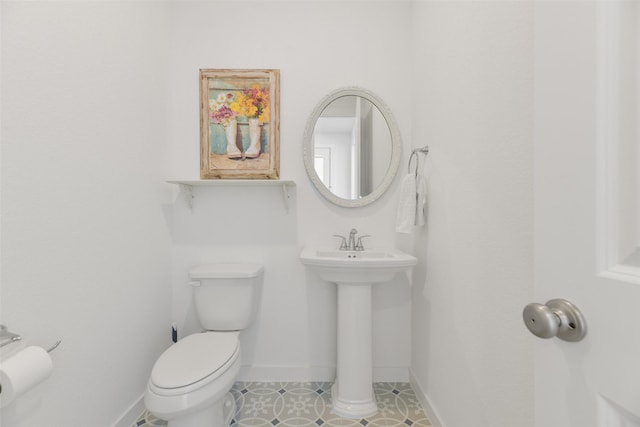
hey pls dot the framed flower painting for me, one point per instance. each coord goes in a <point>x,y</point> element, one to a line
<point>239,124</point>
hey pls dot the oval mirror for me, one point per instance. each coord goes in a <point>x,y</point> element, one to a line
<point>351,147</point>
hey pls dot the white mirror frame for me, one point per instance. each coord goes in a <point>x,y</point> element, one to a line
<point>396,149</point>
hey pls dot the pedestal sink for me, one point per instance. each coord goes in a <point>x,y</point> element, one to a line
<point>354,272</point>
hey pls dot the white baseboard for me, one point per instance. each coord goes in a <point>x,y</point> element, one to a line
<point>286,373</point>
<point>131,415</point>
<point>432,413</point>
<point>314,374</point>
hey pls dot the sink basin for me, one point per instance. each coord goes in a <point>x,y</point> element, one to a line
<point>355,272</point>
<point>366,267</point>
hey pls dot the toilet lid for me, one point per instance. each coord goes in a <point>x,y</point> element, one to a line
<point>194,358</point>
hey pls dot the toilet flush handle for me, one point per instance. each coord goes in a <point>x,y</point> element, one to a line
<point>194,283</point>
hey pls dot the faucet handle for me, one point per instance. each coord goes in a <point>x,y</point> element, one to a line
<point>343,243</point>
<point>359,246</point>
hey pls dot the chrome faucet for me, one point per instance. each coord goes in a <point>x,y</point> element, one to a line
<point>352,244</point>
<point>352,240</point>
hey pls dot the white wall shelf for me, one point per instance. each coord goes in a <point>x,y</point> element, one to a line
<point>186,186</point>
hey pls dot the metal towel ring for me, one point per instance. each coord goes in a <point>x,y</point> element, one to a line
<point>414,152</point>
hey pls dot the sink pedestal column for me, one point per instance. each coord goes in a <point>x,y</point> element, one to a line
<point>354,272</point>
<point>352,394</point>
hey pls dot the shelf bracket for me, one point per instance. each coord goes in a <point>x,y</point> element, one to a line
<point>187,192</point>
<point>285,193</point>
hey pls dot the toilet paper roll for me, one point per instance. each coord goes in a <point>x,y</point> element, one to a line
<point>23,371</point>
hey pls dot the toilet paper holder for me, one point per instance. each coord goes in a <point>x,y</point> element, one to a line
<point>7,337</point>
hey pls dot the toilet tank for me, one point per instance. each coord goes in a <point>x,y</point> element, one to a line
<point>226,295</point>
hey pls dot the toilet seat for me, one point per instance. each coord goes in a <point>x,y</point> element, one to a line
<point>194,362</point>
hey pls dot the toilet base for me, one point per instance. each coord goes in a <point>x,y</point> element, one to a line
<point>219,414</point>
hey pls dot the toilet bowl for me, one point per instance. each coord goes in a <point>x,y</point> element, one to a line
<point>195,374</point>
<point>190,383</point>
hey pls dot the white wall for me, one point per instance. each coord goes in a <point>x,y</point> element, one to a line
<point>471,355</point>
<point>313,45</point>
<point>85,245</point>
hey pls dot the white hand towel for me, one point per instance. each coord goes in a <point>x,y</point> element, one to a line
<point>421,200</point>
<point>406,215</point>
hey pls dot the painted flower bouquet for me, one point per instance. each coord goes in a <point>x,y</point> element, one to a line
<point>221,112</point>
<point>252,103</point>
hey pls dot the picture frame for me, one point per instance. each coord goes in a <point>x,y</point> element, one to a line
<point>239,124</point>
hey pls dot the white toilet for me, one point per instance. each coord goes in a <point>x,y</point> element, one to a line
<point>190,382</point>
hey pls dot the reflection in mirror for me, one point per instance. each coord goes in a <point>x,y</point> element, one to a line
<point>352,147</point>
<point>352,143</point>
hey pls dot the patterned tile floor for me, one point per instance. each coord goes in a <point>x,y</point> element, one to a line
<point>285,404</point>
